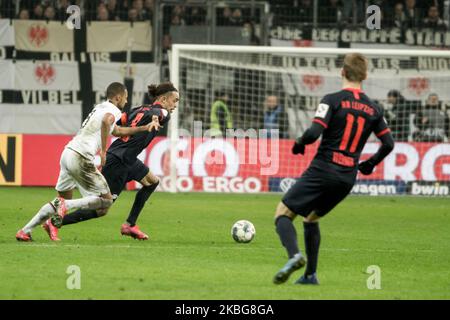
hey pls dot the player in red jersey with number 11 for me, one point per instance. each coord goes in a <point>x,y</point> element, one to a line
<point>345,119</point>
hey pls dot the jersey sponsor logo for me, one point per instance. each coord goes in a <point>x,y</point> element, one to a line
<point>322,110</point>
<point>44,73</point>
<point>312,82</point>
<point>38,35</point>
<point>418,85</point>
<point>10,159</point>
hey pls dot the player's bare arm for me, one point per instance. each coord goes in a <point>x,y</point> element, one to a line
<point>107,122</point>
<point>119,131</point>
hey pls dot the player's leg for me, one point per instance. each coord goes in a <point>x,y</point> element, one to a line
<point>299,200</point>
<point>91,184</point>
<point>334,193</point>
<point>115,176</point>
<point>285,228</point>
<point>149,184</point>
<point>65,185</point>
<point>139,172</point>
<point>44,213</point>
<point>48,226</point>
<point>288,236</point>
<point>312,243</point>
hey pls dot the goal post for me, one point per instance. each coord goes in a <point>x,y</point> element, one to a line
<point>241,107</point>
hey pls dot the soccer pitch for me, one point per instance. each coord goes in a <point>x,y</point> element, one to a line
<point>191,255</point>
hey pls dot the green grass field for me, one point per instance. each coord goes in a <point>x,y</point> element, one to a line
<point>191,254</point>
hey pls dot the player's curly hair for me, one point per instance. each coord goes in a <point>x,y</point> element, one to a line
<point>155,91</point>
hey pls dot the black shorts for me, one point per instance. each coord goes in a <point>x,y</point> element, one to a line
<point>117,174</point>
<point>316,192</point>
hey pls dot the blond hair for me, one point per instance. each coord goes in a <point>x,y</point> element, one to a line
<point>355,67</point>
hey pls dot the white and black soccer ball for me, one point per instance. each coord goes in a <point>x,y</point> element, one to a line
<point>243,231</point>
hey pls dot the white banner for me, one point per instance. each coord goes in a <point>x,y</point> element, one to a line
<point>41,36</point>
<point>45,75</point>
<point>117,36</point>
<point>105,73</point>
<point>7,75</point>
<point>40,118</point>
<point>6,33</point>
<point>302,43</point>
<point>412,84</point>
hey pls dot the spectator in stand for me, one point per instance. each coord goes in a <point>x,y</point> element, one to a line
<point>102,13</point>
<point>250,30</point>
<point>398,116</point>
<point>49,13</point>
<point>433,21</point>
<point>133,15</point>
<point>177,16</point>
<point>176,21</point>
<point>38,12</point>
<point>196,16</point>
<point>350,11</point>
<point>303,9</point>
<point>399,18</point>
<point>225,20</point>
<point>330,12</point>
<point>24,14</point>
<point>432,122</point>
<point>124,7</point>
<point>149,8</point>
<point>275,118</point>
<point>113,10</point>
<point>141,13</point>
<point>413,14</point>
<point>166,42</point>
<point>178,11</point>
<point>61,8</point>
<point>236,18</point>
<point>220,116</point>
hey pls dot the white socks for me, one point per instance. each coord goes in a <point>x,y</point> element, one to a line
<point>43,214</point>
<point>91,202</point>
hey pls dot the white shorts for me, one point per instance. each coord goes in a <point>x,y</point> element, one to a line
<point>79,172</point>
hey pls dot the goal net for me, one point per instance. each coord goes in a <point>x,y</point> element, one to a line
<point>241,108</point>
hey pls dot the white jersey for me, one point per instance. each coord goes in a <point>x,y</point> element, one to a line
<point>88,140</point>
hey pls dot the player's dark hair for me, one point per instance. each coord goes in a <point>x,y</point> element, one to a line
<point>114,89</point>
<point>355,67</point>
<point>155,91</point>
<point>397,95</point>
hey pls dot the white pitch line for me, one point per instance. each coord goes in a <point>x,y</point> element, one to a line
<point>149,247</point>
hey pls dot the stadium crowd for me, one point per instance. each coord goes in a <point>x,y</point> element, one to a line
<point>395,13</point>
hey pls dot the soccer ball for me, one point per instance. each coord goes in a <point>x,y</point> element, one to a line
<point>243,231</point>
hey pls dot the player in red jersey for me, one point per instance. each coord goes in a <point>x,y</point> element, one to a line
<point>345,119</point>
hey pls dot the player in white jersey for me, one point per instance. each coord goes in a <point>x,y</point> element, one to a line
<point>77,162</point>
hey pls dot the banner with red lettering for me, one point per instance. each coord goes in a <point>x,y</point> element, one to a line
<point>413,84</point>
<point>255,165</point>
